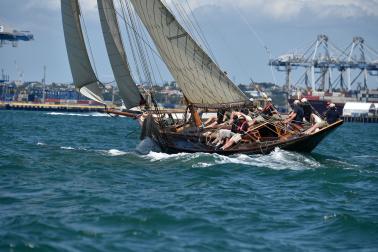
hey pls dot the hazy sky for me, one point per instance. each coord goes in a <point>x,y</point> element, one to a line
<point>237,31</point>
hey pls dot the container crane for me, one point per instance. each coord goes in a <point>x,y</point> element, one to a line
<point>14,36</point>
<point>322,57</point>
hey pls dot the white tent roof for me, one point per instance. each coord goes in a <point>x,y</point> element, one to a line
<point>359,105</point>
<point>357,108</point>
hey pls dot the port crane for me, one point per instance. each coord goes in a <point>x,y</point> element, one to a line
<point>14,36</point>
<point>322,57</point>
<point>4,77</point>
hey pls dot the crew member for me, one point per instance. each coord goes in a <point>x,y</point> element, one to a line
<point>269,109</point>
<point>238,129</point>
<point>213,121</point>
<point>332,115</point>
<point>307,109</point>
<point>296,116</point>
<point>317,124</point>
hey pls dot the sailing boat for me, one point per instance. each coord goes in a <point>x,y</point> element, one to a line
<point>203,84</point>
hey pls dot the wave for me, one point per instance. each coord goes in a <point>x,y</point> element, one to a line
<point>115,153</point>
<point>146,146</point>
<point>280,159</point>
<point>366,156</point>
<point>111,152</point>
<point>342,164</point>
<point>67,148</point>
<point>159,156</point>
<point>277,160</point>
<point>329,217</point>
<point>61,147</point>
<point>95,114</point>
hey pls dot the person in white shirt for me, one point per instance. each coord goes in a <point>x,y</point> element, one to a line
<point>317,122</point>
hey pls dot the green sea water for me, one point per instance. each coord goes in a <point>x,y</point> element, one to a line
<point>84,182</point>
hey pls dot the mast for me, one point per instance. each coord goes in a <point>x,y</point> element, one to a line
<point>83,76</point>
<point>200,79</point>
<point>127,88</point>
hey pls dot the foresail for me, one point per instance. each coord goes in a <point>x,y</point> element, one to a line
<point>199,78</point>
<point>127,88</point>
<point>83,75</point>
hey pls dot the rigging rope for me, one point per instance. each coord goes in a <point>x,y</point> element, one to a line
<point>142,32</point>
<point>200,32</point>
<point>89,42</point>
<point>130,42</point>
<point>200,58</point>
<point>140,50</point>
<point>144,53</point>
<point>251,29</point>
<point>135,32</point>
<point>185,17</point>
<point>146,42</point>
<point>193,26</point>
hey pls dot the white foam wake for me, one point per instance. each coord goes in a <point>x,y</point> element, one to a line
<point>146,146</point>
<point>282,160</point>
<point>115,153</point>
<point>159,156</point>
<point>67,148</point>
<point>111,152</point>
<point>277,160</point>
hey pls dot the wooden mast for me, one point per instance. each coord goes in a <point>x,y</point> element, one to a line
<point>196,118</point>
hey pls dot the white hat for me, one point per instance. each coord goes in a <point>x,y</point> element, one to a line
<point>296,102</point>
<point>332,105</point>
<point>269,99</point>
<point>304,100</point>
<point>250,99</point>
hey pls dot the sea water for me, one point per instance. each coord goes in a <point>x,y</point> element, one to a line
<point>85,182</point>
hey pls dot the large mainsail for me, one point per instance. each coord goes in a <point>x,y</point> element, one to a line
<point>84,78</point>
<point>200,79</point>
<point>117,56</point>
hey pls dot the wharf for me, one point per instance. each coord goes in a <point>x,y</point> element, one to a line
<point>360,119</point>
<point>51,107</point>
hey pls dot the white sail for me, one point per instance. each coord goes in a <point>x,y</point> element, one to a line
<point>200,79</point>
<point>83,75</point>
<point>127,88</point>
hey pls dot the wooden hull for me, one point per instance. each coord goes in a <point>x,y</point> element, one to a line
<point>172,142</point>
